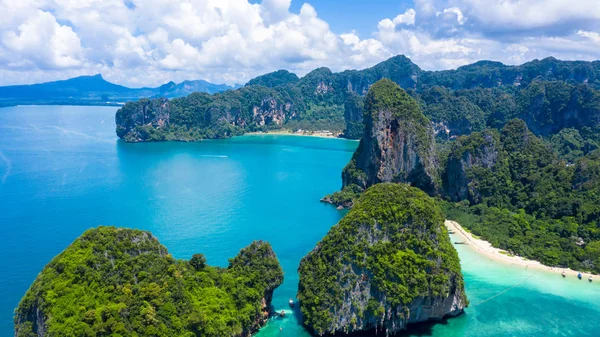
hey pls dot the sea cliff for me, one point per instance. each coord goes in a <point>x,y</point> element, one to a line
<point>397,145</point>
<point>549,95</point>
<point>387,264</point>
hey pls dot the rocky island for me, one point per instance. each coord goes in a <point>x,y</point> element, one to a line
<point>123,282</point>
<point>397,145</point>
<point>387,264</point>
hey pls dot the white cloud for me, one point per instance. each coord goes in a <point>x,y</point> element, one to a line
<point>511,14</point>
<point>275,10</point>
<point>39,39</point>
<point>150,42</point>
<point>425,7</point>
<point>451,33</point>
<point>408,18</point>
<point>365,50</point>
<point>595,37</point>
<point>517,53</point>
<point>459,15</point>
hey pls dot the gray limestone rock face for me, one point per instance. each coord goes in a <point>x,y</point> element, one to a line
<point>398,143</point>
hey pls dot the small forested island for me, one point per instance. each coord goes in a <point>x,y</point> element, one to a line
<point>388,263</point>
<point>534,197</point>
<point>123,282</point>
<point>549,95</point>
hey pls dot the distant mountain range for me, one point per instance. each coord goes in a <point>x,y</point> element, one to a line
<point>95,90</point>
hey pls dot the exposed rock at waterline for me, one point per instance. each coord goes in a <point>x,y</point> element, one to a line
<point>388,263</point>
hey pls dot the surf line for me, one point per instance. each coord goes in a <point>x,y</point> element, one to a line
<point>504,291</point>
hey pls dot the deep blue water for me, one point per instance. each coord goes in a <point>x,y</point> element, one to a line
<point>62,171</point>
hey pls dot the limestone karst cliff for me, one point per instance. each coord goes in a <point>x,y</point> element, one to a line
<point>494,164</point>
<point>548,94</point>
<point>201,116</point>
<point>397,145</point>
<point>388,263</point>
<point>478,152</point>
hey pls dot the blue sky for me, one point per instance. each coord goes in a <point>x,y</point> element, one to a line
<point>359,15</point>
<point>150,42</point>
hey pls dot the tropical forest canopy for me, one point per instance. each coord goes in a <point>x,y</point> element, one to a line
<point>533,196</point>
<point>548,94</point>
<point>521,141</point>
<point>123,282</point>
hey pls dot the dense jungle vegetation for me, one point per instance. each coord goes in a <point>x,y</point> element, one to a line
<point>534,196</point>
<point>122,282</point>
<point>394,241</point>
<point>548,94</point>
<point>532,201</point>
<point>548,183</point>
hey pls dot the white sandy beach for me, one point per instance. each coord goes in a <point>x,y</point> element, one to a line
<point>304,133</point>
<point>485,248</point>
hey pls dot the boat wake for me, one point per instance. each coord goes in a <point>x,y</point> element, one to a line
<point>504,291</point>
<point>76,133</point>
<point>212,156</point>
<point>7,169</point>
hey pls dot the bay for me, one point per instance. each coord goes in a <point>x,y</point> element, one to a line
<point>63,170</point>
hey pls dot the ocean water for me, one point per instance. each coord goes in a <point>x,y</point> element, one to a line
<point>62,171</point>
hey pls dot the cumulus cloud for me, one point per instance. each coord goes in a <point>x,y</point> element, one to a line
<point>456,11</point>
<point>40,40</point>
<point>407,18</point>
<point>451,33</point>
<point>147,42</point>
<point>275,10</point>
<point>150,42</point>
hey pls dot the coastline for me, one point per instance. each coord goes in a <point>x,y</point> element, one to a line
<point>317,134</point>
<point>485,248</point>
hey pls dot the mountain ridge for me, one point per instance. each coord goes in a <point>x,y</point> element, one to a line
<point>458,102</point>
<point>94,89</point>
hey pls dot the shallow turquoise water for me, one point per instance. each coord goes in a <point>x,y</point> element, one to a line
<point>62,171</point>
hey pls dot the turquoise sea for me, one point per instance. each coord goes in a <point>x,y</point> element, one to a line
<point>62,171</point>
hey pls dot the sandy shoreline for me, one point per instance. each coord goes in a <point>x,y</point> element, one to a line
<point>486,249</point>
<point>290,133</point>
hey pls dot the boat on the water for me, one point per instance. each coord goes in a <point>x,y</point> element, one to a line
<point>590,278</point>
<point>579,276</point>
<point>291,303</point>
<point>564,274</point>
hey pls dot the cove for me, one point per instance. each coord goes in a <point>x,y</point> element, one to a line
<point>62,171</point>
